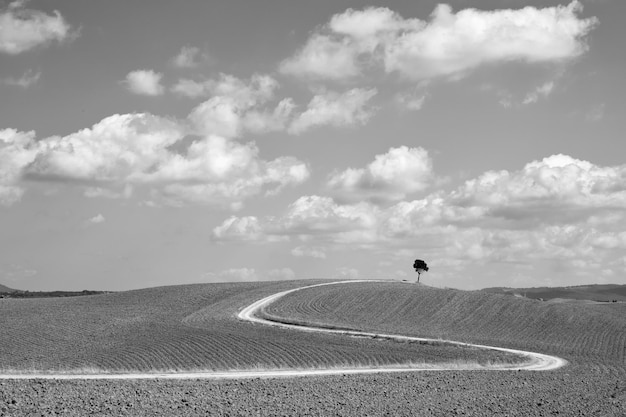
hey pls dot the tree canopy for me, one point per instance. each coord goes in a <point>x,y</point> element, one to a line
<point>420,266</point>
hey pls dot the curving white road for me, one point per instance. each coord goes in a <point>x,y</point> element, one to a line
<point>536,361</point>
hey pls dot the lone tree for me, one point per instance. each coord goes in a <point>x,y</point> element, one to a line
<point>420,266</point>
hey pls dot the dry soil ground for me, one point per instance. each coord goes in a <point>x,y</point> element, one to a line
<point>592,340</point>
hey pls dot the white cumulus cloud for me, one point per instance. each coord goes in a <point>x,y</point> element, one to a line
<point>190,57</point>
<point>448,44</point>
<point>123,151</point>
<point>391,176</point>
<point>335,109</point>
<point>17,151</point>
<point>119,148</point>
<point>557,189</point>
<point>23,29</point>
<point>145,82</point>
<point>235,106</point>
<point>323,57</point>
<point>238,228</point>
<point>98,218</point>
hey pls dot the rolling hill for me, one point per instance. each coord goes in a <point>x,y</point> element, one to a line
<point>194,326</point>
<point>4,288</point>
<point>600,293</point>
<point>594,332</point>
<point>191,327</point>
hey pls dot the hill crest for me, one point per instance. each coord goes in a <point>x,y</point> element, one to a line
<point>591,292</point>
<point>4,288</point>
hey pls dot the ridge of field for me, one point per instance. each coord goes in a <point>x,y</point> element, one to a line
<point>591,333</point>
<point>187,328</point>
<point>597,292</point>
<point>4,288</point>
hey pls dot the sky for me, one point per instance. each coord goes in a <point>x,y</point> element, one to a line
<point>151,143</point>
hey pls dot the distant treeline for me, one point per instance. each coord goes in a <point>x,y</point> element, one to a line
<point>44,294</point>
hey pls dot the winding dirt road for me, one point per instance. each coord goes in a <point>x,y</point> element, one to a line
<point>536,361</point>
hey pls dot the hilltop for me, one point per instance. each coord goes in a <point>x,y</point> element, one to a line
<point>594,331</point>
<point>4,288</point>
<point>6,292</point>
<point>597,292</point>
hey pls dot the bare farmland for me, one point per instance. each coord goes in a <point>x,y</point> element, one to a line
<point>591,338</point>
<point>184,328</point>
<point>596,332</point>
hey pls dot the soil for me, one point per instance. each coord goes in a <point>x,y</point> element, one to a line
<point>575,390</point>
<point>593,384</point>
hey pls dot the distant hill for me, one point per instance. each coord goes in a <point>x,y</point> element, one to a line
<point>606,292</point>
<point>4,288</point>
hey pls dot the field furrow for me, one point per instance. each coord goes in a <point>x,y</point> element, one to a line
<point>192,328</point>
<point>187,328</point>
<point>588,330</point>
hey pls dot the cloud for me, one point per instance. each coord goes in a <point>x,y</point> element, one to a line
<point>17,151</point>
<point>551,213</point>
<point>238,228</point>
<point>448,44</point>
<point>596,113</point>
<point>236,107</point>
<point>282,274</point>
<point>99,192</point>
<point>259,88</point>
<point>190,88</point>
<point>411,101</point>
<point>251,274</point>
<point>190,57</point>
<point>27,79</point>
<point>345,272</point>
<point>99,218</point>
<point>23,29</point>
<point>331,108</point>
<point>240,274</point>
<point>307,218</point>
<point>119,148</point>
<point>323,58</point>
<point>302,251</point>
<point>145,82</point>
<point>317,214</point>
<point>451,43</point>
<point>123,151</point>
<point>216,169</point>
<point>263,121</point>
<point>390,177</point>
<point>556,189</point>
<point>544,90</point>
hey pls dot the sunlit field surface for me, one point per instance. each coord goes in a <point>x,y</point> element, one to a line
<point>186,328</point>
<point>195,327</point>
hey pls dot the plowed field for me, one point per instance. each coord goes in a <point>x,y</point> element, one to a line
<point>590,337</point>
<point>184,328</point>
<point>589,332</point>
